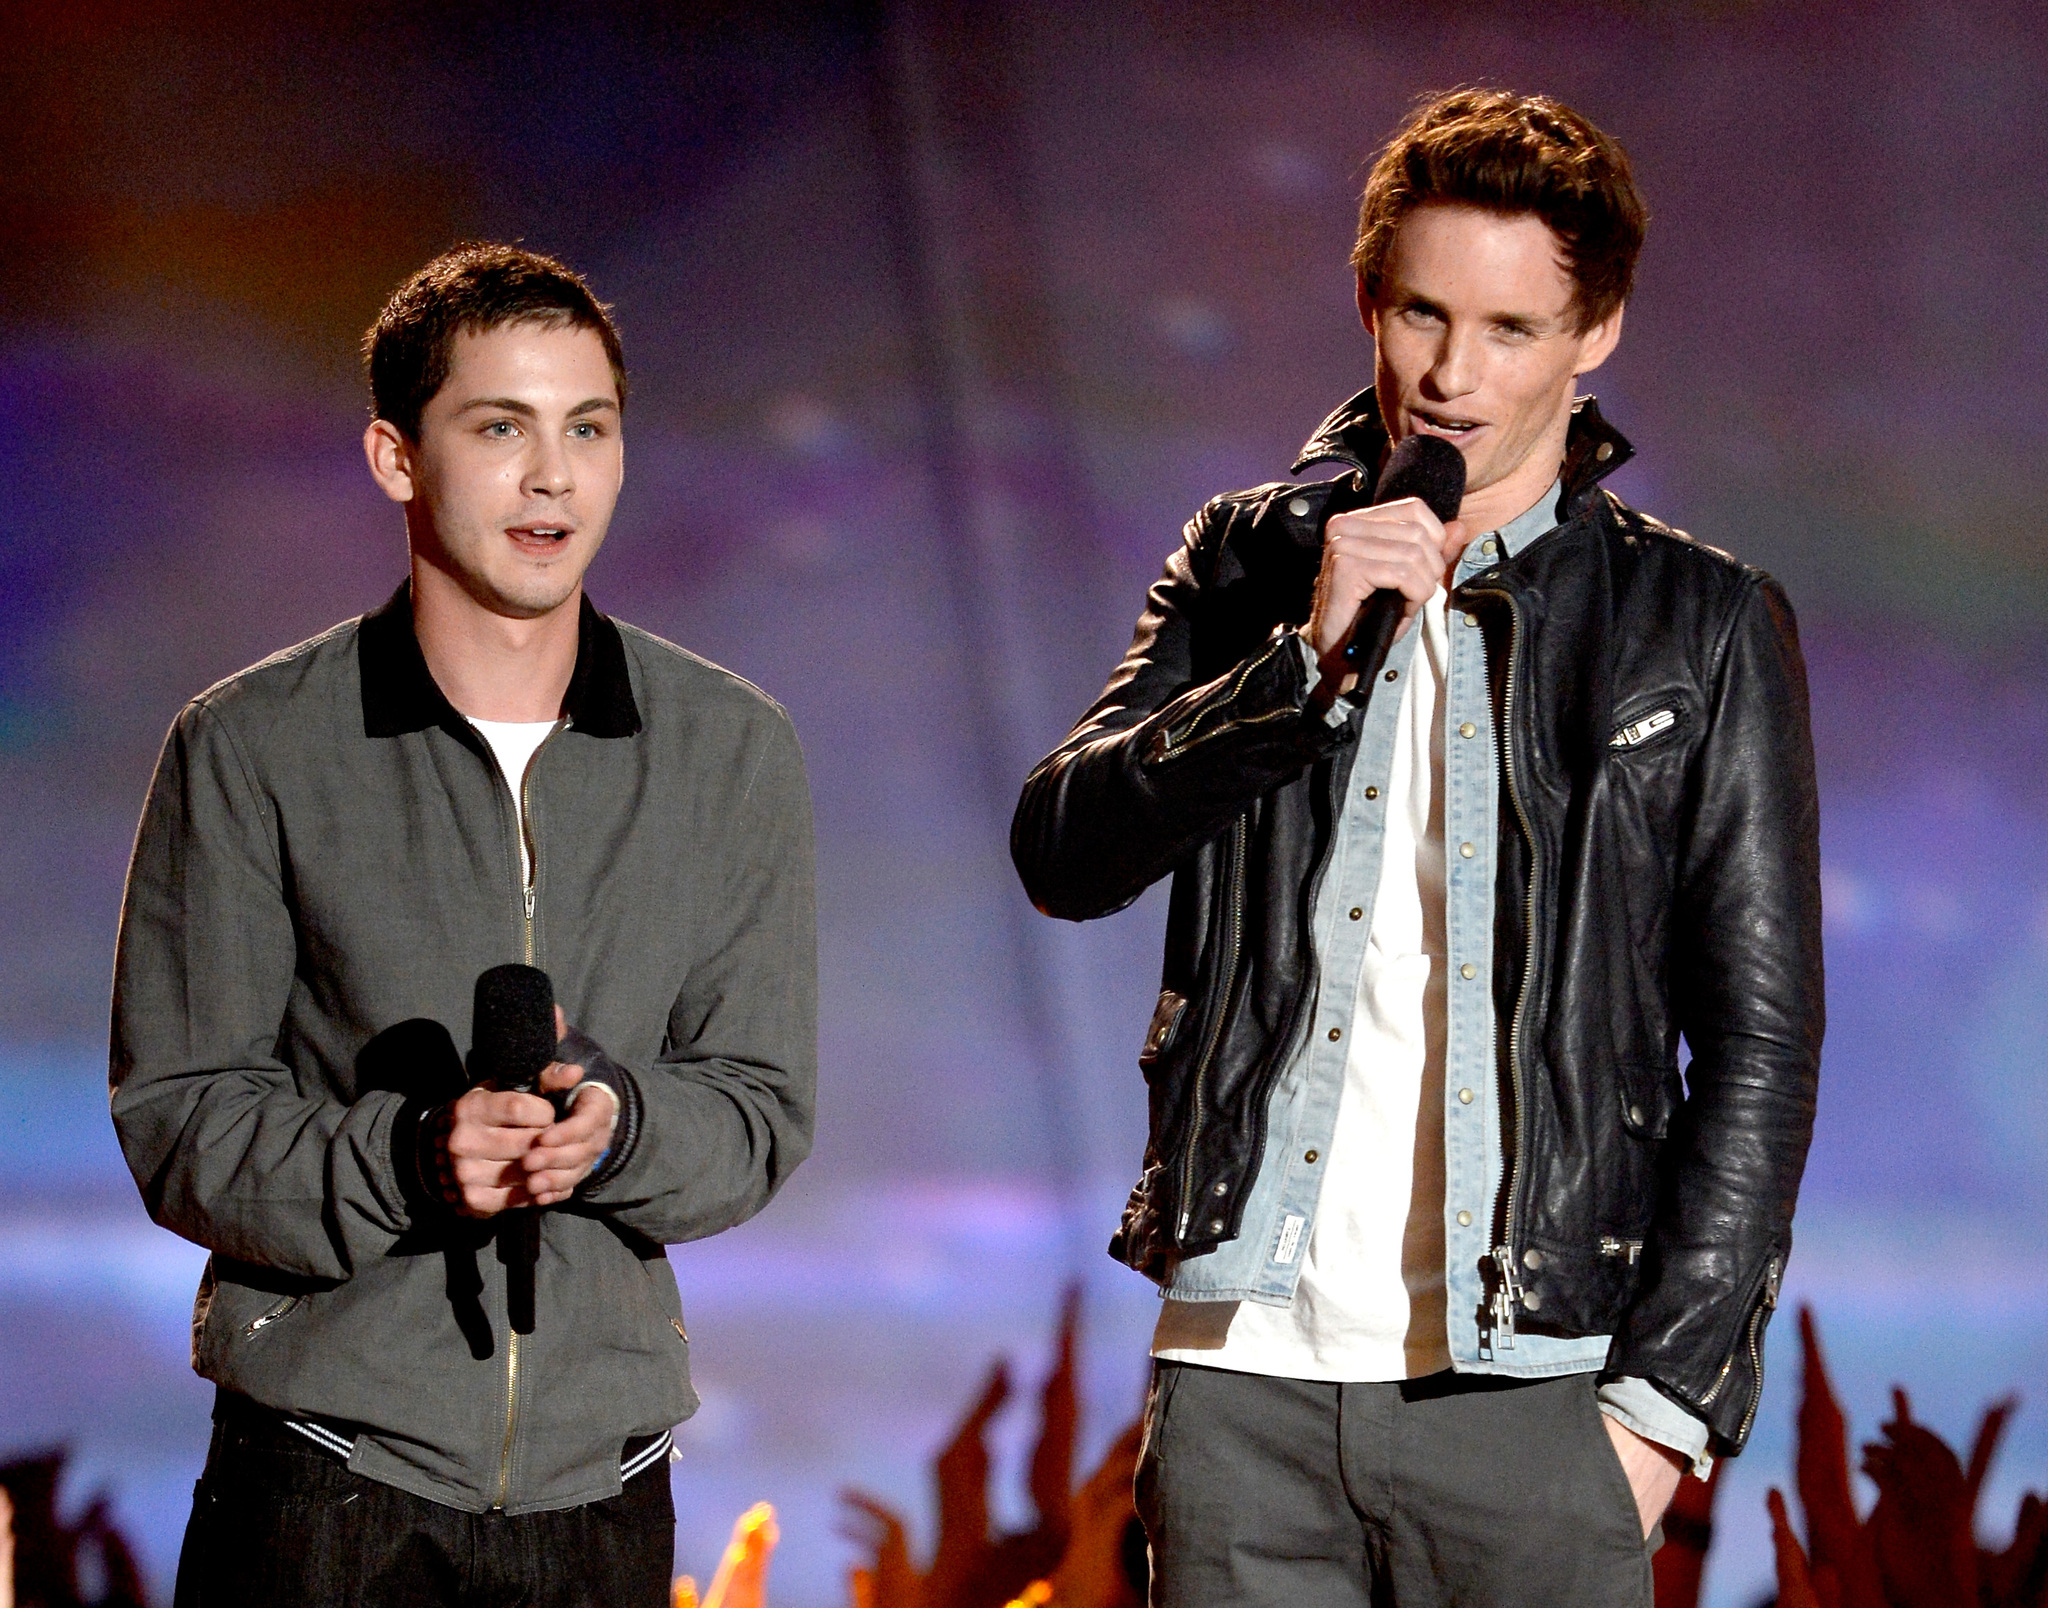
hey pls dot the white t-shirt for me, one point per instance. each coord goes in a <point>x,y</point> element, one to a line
<point>1370,1304</point>
<point>514,742</point>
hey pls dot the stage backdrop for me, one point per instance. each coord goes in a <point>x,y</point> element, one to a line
<point>941,322</point>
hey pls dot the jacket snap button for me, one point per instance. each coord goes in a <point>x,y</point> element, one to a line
<point>1221,1189</point>
<point>1635,1115</point>
<point>1533,1300</point>
<point>1532,1259</point>
<point>1298,507</point>
<point>1604,451</point>
<point>1215,1225</point>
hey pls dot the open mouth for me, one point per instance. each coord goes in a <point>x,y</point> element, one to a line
<point>1443,424</point>
<point>539,538</point>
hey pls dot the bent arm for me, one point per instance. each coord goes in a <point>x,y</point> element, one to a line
<point>225,1147</point>
<point>710,1131</point>
<point>1747,984</point>
<point>1169,755</point>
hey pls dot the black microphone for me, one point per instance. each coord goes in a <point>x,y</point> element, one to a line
<point>511,1042</point>
<point>1426,467</point>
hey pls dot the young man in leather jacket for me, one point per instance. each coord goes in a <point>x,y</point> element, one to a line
<point>485,770</point>
<point>1461,1270</point>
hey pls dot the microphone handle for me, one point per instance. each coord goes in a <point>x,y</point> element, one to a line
<point>1372,634</point>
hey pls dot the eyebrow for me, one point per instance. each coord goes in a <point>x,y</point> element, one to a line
<point>526,410</point>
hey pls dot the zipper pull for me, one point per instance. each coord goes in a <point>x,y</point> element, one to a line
<point>1506,1294</point>
<point>529,904</point>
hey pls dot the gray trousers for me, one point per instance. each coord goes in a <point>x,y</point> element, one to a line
<point>1476,1491</point>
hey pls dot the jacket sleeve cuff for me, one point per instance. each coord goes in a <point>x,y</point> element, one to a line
<point>413,1163</point>
<point>578,1048</point>
<point>1638,1405</point>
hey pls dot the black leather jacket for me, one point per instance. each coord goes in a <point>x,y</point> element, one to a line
<point>1654,880</point>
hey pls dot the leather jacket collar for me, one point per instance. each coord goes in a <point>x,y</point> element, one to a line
<point>1354,435</point>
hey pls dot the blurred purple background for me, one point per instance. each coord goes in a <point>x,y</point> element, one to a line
<point>941,322</point>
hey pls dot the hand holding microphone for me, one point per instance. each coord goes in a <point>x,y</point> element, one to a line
<point>505,1144</point>
<point>1382,563</point>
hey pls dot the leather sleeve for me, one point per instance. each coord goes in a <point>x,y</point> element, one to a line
<point>1747,987</point>
<point>1167,757</point>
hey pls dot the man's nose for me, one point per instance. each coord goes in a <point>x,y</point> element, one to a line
<point>1455,371</point>
<point>547,469</point>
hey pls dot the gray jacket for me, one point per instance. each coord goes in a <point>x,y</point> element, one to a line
<point>327,860</point>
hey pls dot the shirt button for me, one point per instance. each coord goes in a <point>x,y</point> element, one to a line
<point>1357,913</point>
<point>1298,507</point>
<point>1372,792</point>
<point>1464,1219</point>
<point>1335,1034</point>
<point>1464,1097</point>
<point>1472,619</point>
<point>1467,729</point>
<point>1393,675</point>
<point>1468,970</point>
<point>1489,547</point>
<point>1310,1158</point>
<point>1467,850</point>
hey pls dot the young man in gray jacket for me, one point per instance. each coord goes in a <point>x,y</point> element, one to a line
<point>338,841</point>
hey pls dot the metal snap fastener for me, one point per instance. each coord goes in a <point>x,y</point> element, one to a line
<point>1533,1300</point>
<point>1604,451</point>
<point>1468,970</point>
<point>1532,1259</point>
<point>1464,1219</point>
<point>1221,1189</point>
<point>1357,913</point>
<point>1372,792</point>
<point>1635,1115</point>
<point>1298,507</point>
<point>1464,1097</point>
<point>1335,1034</point>
<point>1467,850</point>
<point>1310,1158</point>
<point>1489,547</point>
<point>1393,675</point>
<point>1215,1225</point>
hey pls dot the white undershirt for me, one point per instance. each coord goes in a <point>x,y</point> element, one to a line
<point>514,742</point>
<point>1370,1304</point>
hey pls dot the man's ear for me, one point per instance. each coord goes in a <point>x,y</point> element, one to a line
<point>391,460</point>
<point>1366,316</point>
<point>1597,343</point>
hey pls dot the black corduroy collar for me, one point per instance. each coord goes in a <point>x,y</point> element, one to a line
<point>401,695</point>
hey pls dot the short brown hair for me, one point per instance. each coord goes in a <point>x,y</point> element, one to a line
<point>477,286</point>
<point>1512,153</point>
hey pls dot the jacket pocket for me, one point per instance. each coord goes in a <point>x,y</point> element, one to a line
<point>1166,1020</point>
<point>1648,723</point>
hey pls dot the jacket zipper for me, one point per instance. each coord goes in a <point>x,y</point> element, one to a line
<point>527,880</point>
<point>1234,932</point>
<point>1507,1293</point>
<point>265,1319</point>
<point>1754,1335</point>
<point>1171,746</point>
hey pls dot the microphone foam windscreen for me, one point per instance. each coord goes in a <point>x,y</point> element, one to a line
<point>1427,467</point>
<point>512,1032</point>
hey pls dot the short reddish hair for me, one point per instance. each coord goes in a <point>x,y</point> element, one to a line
<point>1512,153</point>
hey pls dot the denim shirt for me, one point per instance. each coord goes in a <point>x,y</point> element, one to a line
<point>1264,1261</point>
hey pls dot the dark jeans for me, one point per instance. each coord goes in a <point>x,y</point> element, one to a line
<point>1449,1490</point>
<point>277,1521</point>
